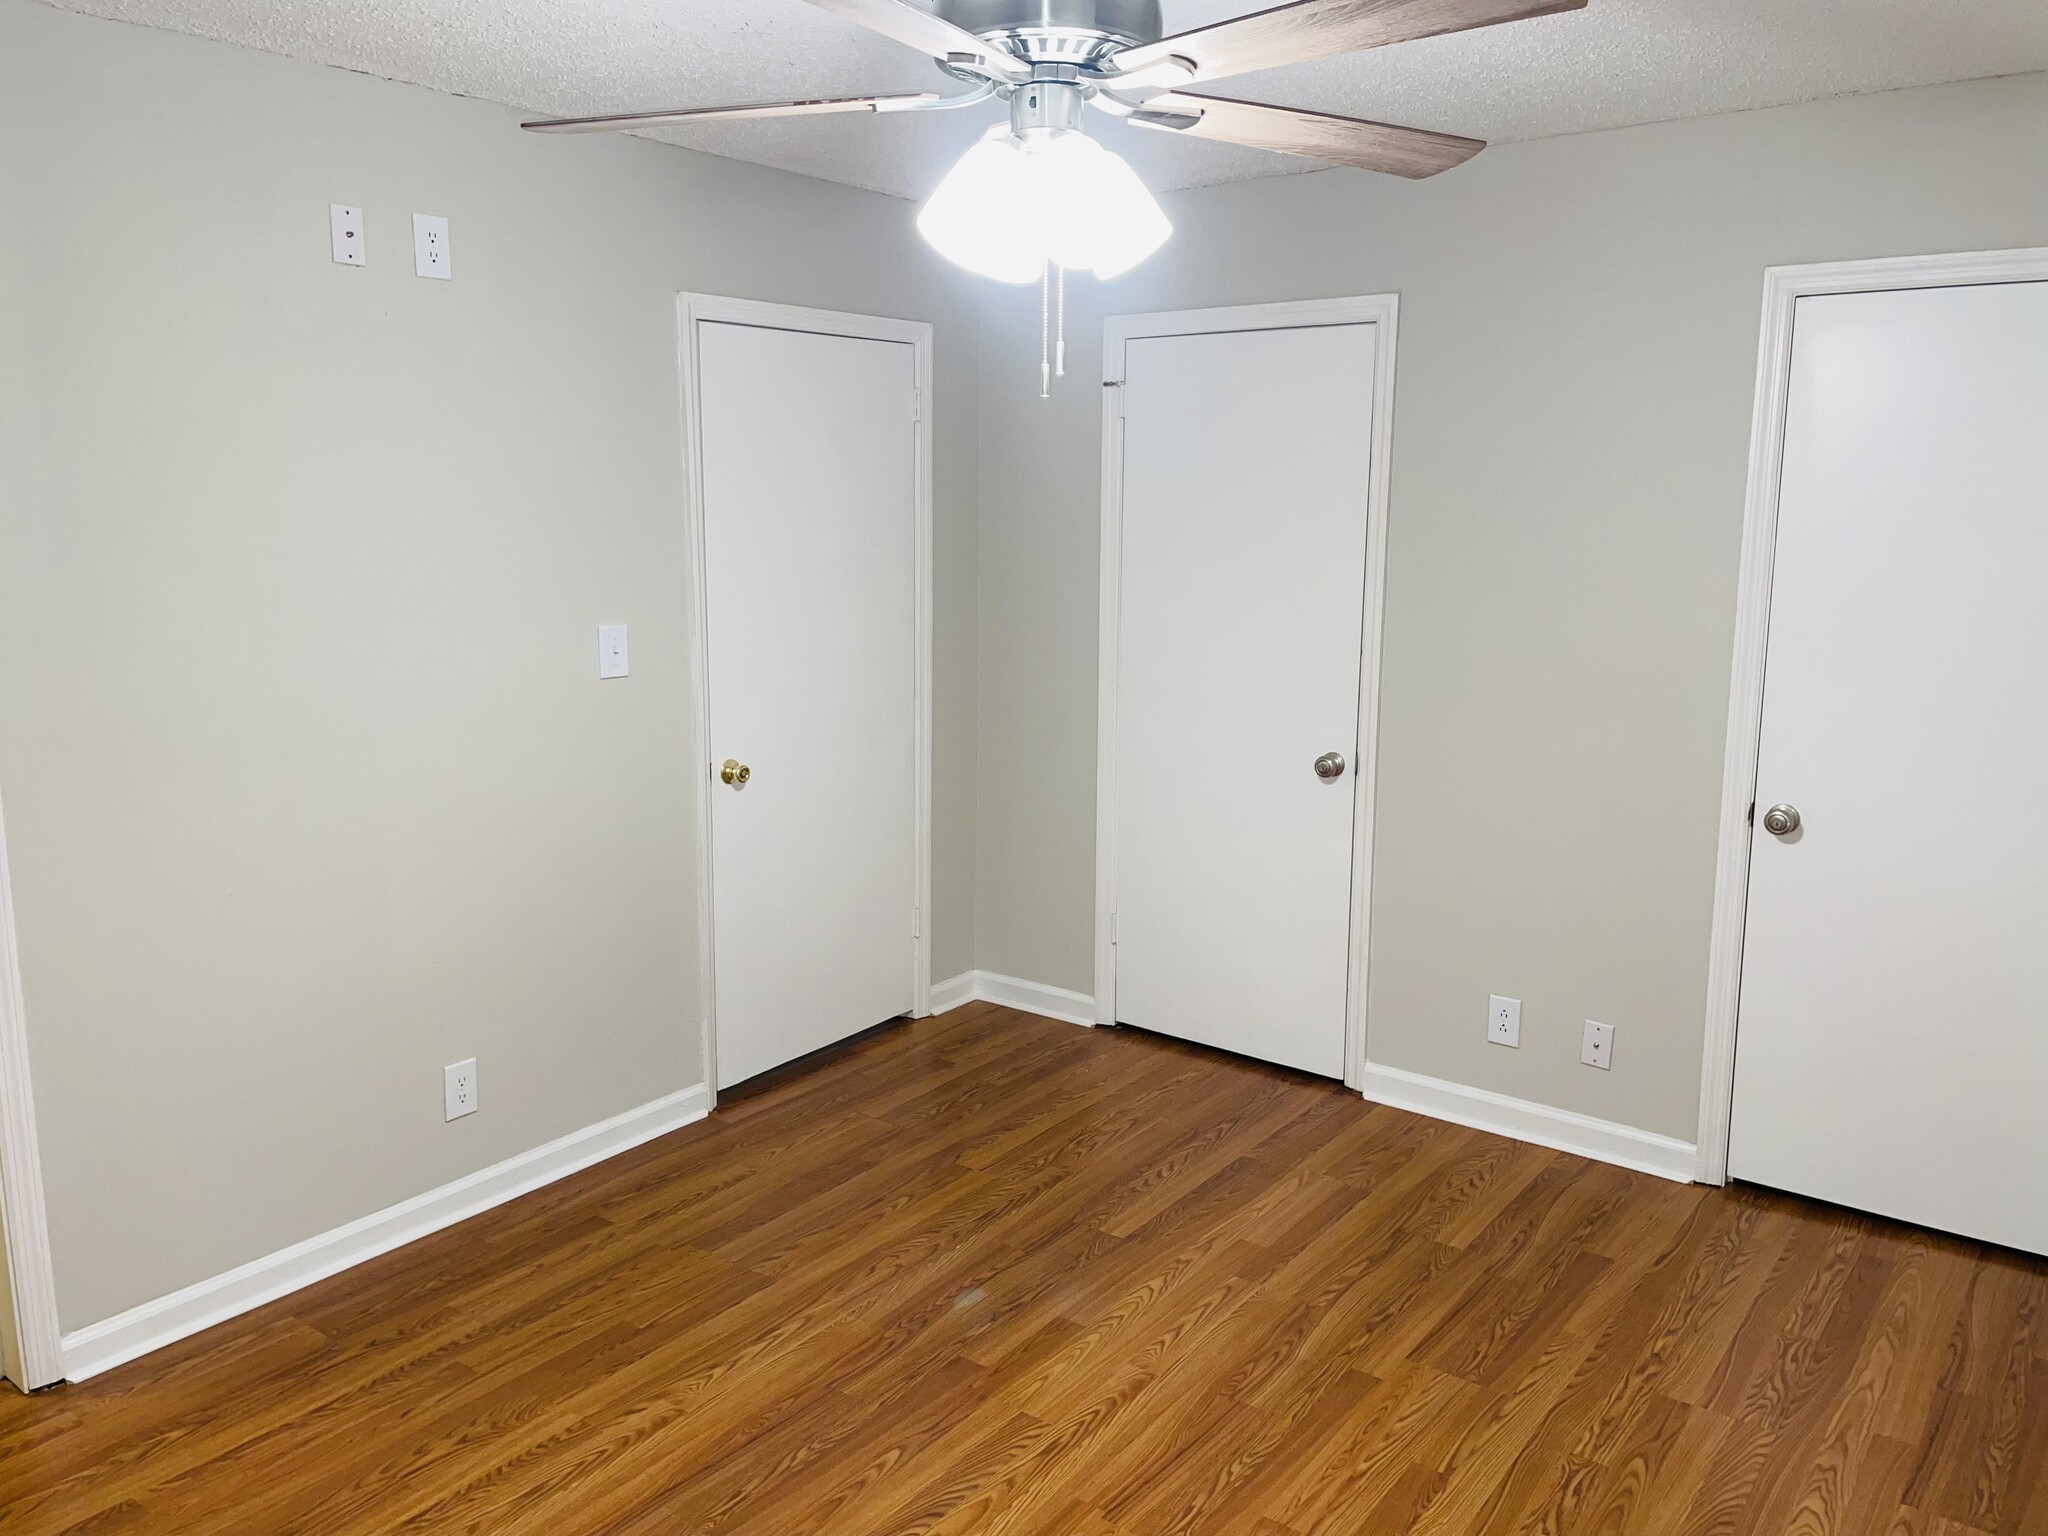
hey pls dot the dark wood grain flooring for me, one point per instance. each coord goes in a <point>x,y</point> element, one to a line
<point>992,1274</point>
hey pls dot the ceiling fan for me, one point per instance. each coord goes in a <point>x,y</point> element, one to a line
<point>1037,196</point>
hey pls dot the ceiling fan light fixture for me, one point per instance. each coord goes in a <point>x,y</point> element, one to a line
<point>1015,202</point>
<point>1033,200</point>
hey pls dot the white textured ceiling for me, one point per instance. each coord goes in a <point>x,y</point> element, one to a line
<point>1614,63</point>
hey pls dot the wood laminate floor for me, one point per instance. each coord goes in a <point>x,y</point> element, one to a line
<point>988,1273</point>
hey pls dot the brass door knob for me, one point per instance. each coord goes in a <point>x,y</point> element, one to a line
<point>735,772</point>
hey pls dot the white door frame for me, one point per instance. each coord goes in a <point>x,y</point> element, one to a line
<point>1382,312</point>
<point>31,1281</point>
<point>692,309</point>
<point>1783,288</point>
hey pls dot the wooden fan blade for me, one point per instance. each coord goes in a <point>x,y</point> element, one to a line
<point>920,29</point>
<point>626,120</point>
<point>1322,29</point>
<point>1410,152</point>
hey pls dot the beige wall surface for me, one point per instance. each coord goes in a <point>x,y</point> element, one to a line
<point>311,784</point>
<point>1577,359</point>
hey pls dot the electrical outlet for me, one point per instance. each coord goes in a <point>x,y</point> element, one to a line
<point>430,257</point>
<point>345,224</point>
<point>1598,1047</point>
<point>1504,1020</point>
<point>458,1086</point>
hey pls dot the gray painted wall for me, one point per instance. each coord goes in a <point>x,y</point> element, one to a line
<point>1577,359</point>
<point>311,785</point>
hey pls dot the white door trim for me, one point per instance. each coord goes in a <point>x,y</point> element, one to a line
<point>691,310</point>
<point>1783,288</point>
<point>1382,312</point>
<point>31,1279</point>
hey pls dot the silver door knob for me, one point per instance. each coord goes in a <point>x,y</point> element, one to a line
<point>1330,765</point>
<point>1781,820</point>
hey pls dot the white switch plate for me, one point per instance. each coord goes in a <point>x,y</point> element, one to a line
<point>458,1086</point>
<point>346,225</point>
<point>1598,1047</point>
<point>430,256</point>
<point>1504,1020</point>
<point>611,650</point>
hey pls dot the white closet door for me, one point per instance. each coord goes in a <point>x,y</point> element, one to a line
<point>1892,1049</point>
<point>1246,465</point>
<point>809,505</point>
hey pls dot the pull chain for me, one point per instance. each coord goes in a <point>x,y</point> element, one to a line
<point>1045,334</point>
<point>1052,328</point>
<point>1060,343</point>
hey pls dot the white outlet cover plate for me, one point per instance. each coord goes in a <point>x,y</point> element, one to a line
<point>1597,1050</point>
<point>430,255</point>
<point>1504,1020</point>
<point>458,1087</point>
<point>346,226</point>
<point>611,650</point>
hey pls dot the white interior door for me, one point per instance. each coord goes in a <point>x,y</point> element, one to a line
<point>1892,1047</point>
<point>1247,458</point>
<point>809,476</point>
<point>10,1357</point>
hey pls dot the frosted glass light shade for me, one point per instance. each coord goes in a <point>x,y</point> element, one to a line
<point>1097,215</point>
<point>983,215</point>
<point>1012,205</point>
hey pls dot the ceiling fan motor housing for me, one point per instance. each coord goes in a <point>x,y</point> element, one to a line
<point>1058,31</point>
<point>1042,107</point>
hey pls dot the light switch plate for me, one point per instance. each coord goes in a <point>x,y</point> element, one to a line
<point>346,226</point>
<point>430,256</point>
<point>458,1088</point>
<point>611,650</point>
<point>1504,1020</point>
<point>1597,1050</point>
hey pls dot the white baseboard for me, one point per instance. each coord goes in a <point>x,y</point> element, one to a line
<point>951,994</point>
<point>118,1339</point>
<point>1014,992</point>
<point>1602,1140</point>
<point>1035,997</point>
